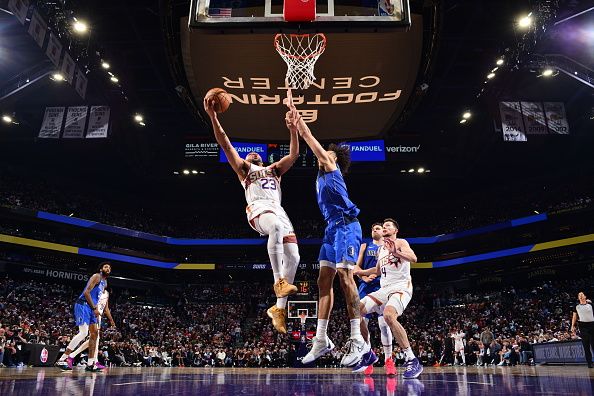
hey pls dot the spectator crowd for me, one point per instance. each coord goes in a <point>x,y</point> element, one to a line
<point>225,325</point>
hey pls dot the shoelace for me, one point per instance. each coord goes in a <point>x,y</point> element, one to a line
<point>409,365</point>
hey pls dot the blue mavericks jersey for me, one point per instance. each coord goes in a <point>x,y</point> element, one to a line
<point>333,197</point>
<point>96,292</point>
<point>369,261</point>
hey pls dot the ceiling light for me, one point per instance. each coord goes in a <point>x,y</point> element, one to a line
<point>138,118</point>
<point>499,62</point>
<point>411,170</point>
<point>494,69</point>
<point>402,170</point>
<point>105,65</point>
<point>194,172</point>
<point>463,121</point>
<point>186,172</point>
<point>175,172</point>
<point>141,123</point>
<point>466,115</point>
<point>114,79</point>
<point>536,211</point>
<point>80,26</point>
<point>526,21</point>
<point>427,170</point>
<point>421,170</point>
<point>7,119</point>
<point>490,75</point>
<point>57,77</point>
<point>548,72</point>
<point>202,172</point>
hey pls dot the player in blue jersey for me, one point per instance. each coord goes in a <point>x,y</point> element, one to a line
<point>86,314</point>
<point>369,284</point>
<point>340,246</point>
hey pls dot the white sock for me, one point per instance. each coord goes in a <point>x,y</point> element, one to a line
<point>281,302</point>
<point>63,357</point>
<point>356,328</point>
<point>409,353</point>
<point>321,329</point>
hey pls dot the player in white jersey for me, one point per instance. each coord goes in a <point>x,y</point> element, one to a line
<point>102,306</point>
<point>264,211</point>
<point>393,265</point>
<point>458,336</point>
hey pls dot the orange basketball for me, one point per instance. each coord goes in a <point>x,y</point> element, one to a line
<point>221,98</point>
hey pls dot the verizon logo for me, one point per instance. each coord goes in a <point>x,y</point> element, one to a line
<point>403,149</point>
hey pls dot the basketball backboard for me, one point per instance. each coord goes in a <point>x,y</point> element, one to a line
<point>294,308</point>
<point>205,13</point>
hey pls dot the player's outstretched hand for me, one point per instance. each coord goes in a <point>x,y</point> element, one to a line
<point>209,107</point>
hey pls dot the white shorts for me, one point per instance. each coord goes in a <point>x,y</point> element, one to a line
<point>458,347</point>
<point>397,296</point>
<point>256,208</point>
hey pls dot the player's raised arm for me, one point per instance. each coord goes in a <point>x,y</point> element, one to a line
<point>239,165</point>
<point>315,146</point>
<point>285,163</point>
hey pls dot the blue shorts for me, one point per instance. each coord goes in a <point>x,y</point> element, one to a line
<point>340,246</point>
<point>84,315</point>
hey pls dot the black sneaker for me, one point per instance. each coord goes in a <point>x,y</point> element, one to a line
<point>589,365</point>
<point>93,369</point>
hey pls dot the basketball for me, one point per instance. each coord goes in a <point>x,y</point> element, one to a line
<point>221,98</point>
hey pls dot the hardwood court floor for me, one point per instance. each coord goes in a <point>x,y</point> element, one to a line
<point>561,380</point>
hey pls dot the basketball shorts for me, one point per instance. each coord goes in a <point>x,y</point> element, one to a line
<point>458,346</point>
<point>397,296</point>
<point>256,208</point>
<point>340,246</point>
<point>364,290</point>
<point>84,315</point>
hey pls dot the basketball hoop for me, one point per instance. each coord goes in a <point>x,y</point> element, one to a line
<point>300,52</point>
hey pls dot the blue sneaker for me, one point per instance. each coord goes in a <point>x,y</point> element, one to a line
<point>412,369</point>
<point>368,359</point>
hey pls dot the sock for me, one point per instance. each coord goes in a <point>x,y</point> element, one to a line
<point>63,357</point>
<point>356,328</point>
<point>463,357</point>
<point>322,328</point>
<point>409,353</point>
<point>281,302</point>
<point>388,351</point>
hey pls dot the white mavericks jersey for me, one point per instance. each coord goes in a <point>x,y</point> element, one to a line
<point>395,271</point>
<point>262,190</point>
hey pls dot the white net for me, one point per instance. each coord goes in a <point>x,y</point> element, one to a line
<point>300,52</point>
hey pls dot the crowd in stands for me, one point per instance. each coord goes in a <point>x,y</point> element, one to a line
<point>473,210</point>
<point>226,325</point>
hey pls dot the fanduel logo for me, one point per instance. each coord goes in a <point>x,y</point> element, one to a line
<point>366,148</point>
<point>255,149</point>
<point>403,149</point>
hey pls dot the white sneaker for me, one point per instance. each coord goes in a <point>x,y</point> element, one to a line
<point>356,348</point>
<point>318,348</point>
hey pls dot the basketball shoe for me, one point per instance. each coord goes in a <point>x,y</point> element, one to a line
<point>390,367</point>
<point>412,369</point>
<point>318,348</point>
<point>278,318</point>
<point>368,360</point>
<point>282,288</point>
<point>93,369</point>
<point>356,348</point>
<point>65,365</point>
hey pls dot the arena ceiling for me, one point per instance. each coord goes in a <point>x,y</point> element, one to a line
<point>142,40</point>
